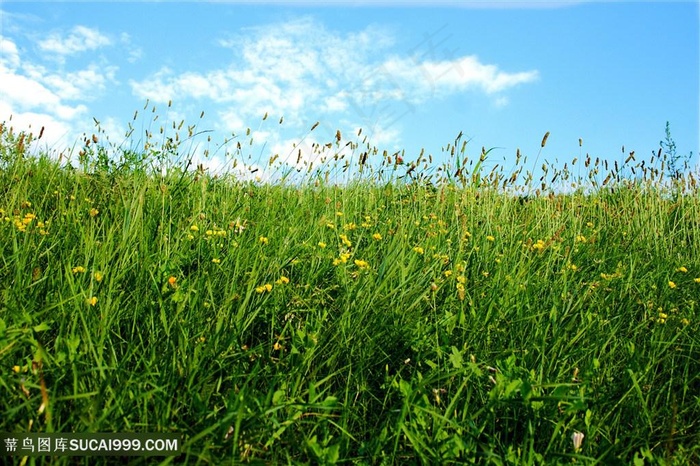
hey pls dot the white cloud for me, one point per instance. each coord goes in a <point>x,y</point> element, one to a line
<point>300,68</point>
<point>80,39</point>
<point>418,80</point>
<point>55,130</point>
<point>32,94</point>
<point>9,55</point>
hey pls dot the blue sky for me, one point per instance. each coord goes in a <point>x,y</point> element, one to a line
<point>412,75</point>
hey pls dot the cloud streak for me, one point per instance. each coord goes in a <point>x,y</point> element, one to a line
<point>80,39</point>
<point>300,67</point>
<point>32,93</point>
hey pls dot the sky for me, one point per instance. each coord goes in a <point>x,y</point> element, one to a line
<point>412,75</point>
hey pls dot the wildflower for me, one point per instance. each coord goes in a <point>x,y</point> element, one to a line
<point>216,261</point>
<point>377,236</point>
<point>685,321</point>
<point>190,237</point>
<point>590,225</point>
<point>264,240</point>
<point>671,284</point>
<point>277,346</point>
<point>490,238</point>
<point>342,259</point>
<point>321,244</point>
<point>462,279</point>
<point>330,225</point>
<point>577,439</point>
<point>92,301</point>
<point>350,226</point>
<point>79,269</point>
<point>98,276</point>
<point>580,239</point>
<point>25,204</point>
<point>696,280</point>
<point>172,281</point>
<point>263,288</point>
<point>418,249</point>
<point>539,245</point>
<point>361,264</point>
<point>460,291</point>
<point>447,273</point>
<point>94,212</point>
<point>682,270</point>
<point>345,240</point>
<point>282,280</point>
<point>338,214</point>
<point>16,369</point>
<point>194,228</point>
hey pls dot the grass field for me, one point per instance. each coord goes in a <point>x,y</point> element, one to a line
<point>383,321</point>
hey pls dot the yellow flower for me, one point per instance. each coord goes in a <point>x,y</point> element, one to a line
<point>671,285</point>
<point>79,269</point>
<point>216,261</point>
<point>461,293</point>
<point>92,301</point>
<point>447,273</point>
<point>681,269</point>
<point>99,276</point>
<point>490,238</point>
<point>321,244</point>
<point>194,228</point>
<point>685,321</point>
<point>264,240</point>
<point>282,280</point>
<point>94,212</point>
<point>262,289</point>
<point>377,236</point>
<point>342,259</point>
<point>361,264</point>
<point>696,280</point>
<point>418,249</point>
<point>338,214</point>
<point>580,239</point>
<point>345,240</point>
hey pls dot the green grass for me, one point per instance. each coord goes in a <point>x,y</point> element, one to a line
<point>444,322</point>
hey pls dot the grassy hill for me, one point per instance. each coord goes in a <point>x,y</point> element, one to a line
<point>372,322</point>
